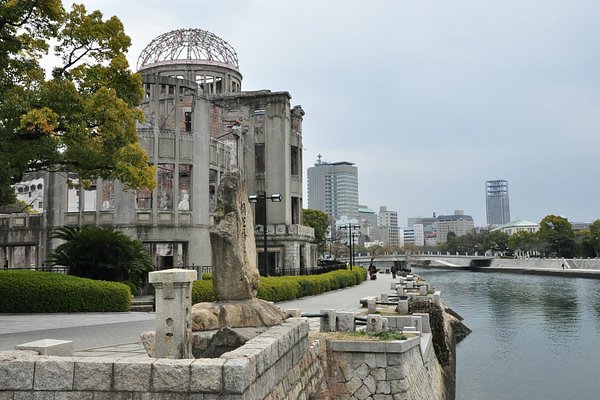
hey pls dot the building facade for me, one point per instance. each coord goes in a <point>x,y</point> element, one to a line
<point>412,235</point>
<point>496,202</point>
<point>459,223</point>
<point>388,220</point>
<point>521,225</point>
<point>367,220</point>
<point>198,125</point>
<point>333,189</point>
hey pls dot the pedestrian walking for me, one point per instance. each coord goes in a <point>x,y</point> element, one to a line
<point>394,270</point>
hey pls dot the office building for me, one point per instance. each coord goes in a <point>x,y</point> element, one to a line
<point>459,223</point>
<point>333,189</point>
<point>388,221</point>
<point>496,202</point>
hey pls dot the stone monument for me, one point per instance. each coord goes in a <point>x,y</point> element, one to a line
<point>235,273</point>
<point>237,315</point>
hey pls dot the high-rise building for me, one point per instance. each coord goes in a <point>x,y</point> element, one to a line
<point>496,202</point>
<point>333,188</point>
<point>389,220</point>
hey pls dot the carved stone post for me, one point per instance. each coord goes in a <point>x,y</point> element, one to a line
<point>173,312</point>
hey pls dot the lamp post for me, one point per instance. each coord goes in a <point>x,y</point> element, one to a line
<point>261,203</point>
<point>349,227</point>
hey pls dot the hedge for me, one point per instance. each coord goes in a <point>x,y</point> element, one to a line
<point>283,288</point>
<point>47,292</point>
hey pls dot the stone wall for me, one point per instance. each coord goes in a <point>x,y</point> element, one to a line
<point>276,365</point>
<point>380,370</point>
<point>283,363</point>
<point>547,263</point>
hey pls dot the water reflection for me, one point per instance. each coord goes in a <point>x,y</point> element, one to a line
<point>594,295</point>
<point>532,335</point>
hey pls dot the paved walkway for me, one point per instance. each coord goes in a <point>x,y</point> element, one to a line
<point>118,334</point>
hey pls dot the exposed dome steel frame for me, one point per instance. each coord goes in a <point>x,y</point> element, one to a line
<point>188,45</point>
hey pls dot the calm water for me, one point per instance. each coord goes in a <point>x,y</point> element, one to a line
<point>533,337</point>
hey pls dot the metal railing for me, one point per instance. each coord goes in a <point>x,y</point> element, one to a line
<point>43,268</point>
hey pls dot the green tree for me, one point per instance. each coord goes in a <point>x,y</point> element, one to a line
<point>496,241</point>
<point>557,235</point>
<point>595,236</point>
<point>83,118</point>
<point>523,241</point>
<point>583,244</point>
<point>319,221</point>
<point>452,243</point>
<point>101,253</point>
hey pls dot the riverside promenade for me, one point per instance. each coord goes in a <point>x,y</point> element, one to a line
<point>118,334</point>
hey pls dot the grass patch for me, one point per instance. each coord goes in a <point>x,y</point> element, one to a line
<point>369,336</point>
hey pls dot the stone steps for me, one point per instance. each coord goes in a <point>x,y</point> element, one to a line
<point>142,305</point>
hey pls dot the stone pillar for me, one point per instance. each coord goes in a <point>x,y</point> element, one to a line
<point>328,323</point>
<point>173,312</point>
<point>371,306</point>
<point>402,307</point>
<point>345,322</point>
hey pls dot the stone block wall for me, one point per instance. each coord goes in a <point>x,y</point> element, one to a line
<point>394,370</point>
<point>276,365</point>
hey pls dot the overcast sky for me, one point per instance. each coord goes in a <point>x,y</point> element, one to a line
<point>429,98</point>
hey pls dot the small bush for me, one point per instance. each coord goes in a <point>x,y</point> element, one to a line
<point>202,291</point>
<point>207,276</point>
<point>48,292</point>
<point>283,288</point>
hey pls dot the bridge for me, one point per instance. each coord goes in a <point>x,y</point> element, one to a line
<point>439,259</point>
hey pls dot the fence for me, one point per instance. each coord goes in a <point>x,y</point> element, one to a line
<point>43,268</point>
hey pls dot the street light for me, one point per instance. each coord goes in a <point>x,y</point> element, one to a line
<point>349,227</point>
<point>261,203</point>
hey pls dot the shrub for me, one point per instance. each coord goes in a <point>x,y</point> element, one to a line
<point>207,276</point>
<point>44,292</point>
<point>101,253</point>
<point>202,291</point>
<point>278,288</point>
<point>281,288</point>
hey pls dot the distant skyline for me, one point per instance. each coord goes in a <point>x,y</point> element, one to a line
<point>428,99</point>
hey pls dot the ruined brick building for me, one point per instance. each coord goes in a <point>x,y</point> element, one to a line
<point>199,124</point>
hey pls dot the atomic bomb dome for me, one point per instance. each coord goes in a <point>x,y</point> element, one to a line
<point>196,55</point>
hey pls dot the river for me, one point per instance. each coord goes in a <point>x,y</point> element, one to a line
<point>534,337</point>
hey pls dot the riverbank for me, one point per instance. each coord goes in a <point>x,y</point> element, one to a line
<point>580,268</point>
<point>526,328</point>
